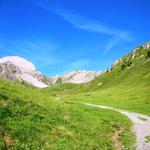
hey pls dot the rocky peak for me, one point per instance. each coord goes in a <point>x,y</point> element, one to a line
<point>116,62</point>
<point>17,68</point>
<point>9,71</point>
<point>147,45</point>
<point>79,77</point>
<point>23,64</point>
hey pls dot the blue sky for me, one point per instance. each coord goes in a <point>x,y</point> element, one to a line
<point>63,35</point>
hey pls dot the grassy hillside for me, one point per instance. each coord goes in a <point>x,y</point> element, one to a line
<point>126,86</point>
<point>33,119</point>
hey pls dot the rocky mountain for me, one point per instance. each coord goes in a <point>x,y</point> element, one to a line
<point>19,69</point>
<point>135,54</point>
<point>79,77</point>
<point>75,77</point>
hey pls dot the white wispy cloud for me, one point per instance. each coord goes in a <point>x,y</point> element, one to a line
<point>82,23</point>
<point>85,24</point>
<point>114,41</point>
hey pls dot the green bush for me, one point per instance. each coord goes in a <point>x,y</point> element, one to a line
<point>148,54</point>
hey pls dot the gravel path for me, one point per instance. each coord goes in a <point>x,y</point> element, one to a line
<point>141,125</point>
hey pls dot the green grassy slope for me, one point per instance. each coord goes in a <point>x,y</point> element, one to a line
<point>126,86</point>
<point>31,119</point>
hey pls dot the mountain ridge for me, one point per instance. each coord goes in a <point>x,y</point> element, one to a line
<point>20,69</point>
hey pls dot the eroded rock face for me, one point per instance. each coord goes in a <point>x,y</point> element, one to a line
<point>9,71</point>
<point>80,77</point>
<point>17,68</point>
<point>116,62</point>
<point>23,64</point>
<point>75,77</point>
<point>54,80</point>
<point>147,45</point>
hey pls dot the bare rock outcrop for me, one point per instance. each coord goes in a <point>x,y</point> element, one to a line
<point>19,69</point>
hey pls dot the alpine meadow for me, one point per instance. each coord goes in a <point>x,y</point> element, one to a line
<point>74,75</point>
